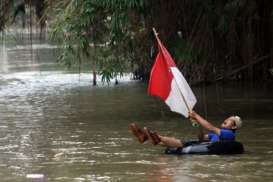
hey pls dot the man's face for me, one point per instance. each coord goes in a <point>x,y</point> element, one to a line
<point>229,123</point>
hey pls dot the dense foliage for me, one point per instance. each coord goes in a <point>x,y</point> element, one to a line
<point>210,40</point>
<point>97,31</point>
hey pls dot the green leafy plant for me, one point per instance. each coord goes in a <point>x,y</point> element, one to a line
<point>86,28</point>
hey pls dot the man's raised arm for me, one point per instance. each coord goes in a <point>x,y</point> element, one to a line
<point>204,123</point>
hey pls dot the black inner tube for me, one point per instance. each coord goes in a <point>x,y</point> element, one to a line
<point>219,148</point>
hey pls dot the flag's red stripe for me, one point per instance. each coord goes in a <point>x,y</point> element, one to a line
<point>166,55</point>
<point>161,75</point>
<point>160,79</point>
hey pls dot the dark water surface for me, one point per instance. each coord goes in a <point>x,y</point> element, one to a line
<point>56,125</point>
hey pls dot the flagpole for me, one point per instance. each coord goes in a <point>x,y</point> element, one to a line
<point>156,34</point>
<point>183,97</point>
<point>194,124</point>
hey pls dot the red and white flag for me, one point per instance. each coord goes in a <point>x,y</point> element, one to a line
<point>168,83</point>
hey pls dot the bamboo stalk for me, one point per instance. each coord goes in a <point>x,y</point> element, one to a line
<point>182,95</point>
<point>194,124</point>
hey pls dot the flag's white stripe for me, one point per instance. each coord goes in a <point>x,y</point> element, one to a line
<point>180,86</point>
<point>184,87</point>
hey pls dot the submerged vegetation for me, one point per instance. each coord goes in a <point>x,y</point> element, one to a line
<point>210,40</point>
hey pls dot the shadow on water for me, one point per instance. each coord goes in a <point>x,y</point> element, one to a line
<point>57,125</point>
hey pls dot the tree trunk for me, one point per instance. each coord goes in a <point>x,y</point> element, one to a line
<point>94,67</point>
<point>94,77</point>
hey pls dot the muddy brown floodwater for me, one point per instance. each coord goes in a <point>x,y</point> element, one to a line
<point>55,126</point>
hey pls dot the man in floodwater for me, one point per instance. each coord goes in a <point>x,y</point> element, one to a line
<point>225,133</point>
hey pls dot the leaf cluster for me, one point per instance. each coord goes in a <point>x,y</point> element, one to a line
<point>81,26</point>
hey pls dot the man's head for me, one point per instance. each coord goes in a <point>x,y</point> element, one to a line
<point>232,123</point>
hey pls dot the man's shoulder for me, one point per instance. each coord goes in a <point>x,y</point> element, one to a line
<point>226,131</point>
<point>227,134</point>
